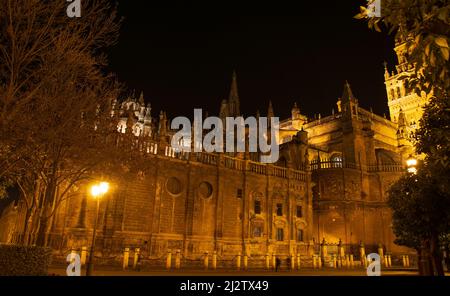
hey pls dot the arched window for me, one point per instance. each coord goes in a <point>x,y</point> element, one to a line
<point>257,207</point>
<point>280,234</point>
<point>299,235</point>
<point>279,209</point>
<point>336,160</point>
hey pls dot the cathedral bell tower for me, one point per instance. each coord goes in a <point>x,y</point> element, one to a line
<point>401,96</point>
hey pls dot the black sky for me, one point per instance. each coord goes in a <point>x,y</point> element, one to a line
<point>182,54</point>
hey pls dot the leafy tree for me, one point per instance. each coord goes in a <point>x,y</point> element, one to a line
<point>420,202</point>
<point>424,25</point>
<point>421,214</point>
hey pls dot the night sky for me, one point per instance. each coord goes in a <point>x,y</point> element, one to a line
<point>182,54</point>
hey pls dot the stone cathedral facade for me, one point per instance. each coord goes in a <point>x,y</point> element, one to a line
<point>329,184</point>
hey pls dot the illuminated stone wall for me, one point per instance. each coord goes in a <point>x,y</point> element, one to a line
<point>195,207</point>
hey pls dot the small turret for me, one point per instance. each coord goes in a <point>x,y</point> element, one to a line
<point>349,103</point>
<point>270,112</point>
<point>295,112</point>
<point>162,131</point>
<point>141,99</point>
<point>386,72</point>
<point>223,113</point>
<point>141,113</point>
<point>234,108</point>
<point>148,114</point>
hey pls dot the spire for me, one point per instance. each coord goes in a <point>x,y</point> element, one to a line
<point>270,112</point>
<point>141,99</point>
<point>162,124</point>
<point>141,113</point>
<point>295,112</point>
<point>233,99</point>
<point>223,109</point>
<point>386,72</point>
<point>148,114</point>
<point>347,95</point>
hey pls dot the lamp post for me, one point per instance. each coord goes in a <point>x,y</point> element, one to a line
<point>97,191</point>
<point>411,165</point>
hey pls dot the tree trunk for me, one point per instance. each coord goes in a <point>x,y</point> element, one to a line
<point>436,255</point>
<point>40,235</point>
<point>425,262</point>
<point>419,262</point>
<point>47,207</point>
<point>26,227</point>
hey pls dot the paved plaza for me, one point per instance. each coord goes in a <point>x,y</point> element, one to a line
<point>60,271</point>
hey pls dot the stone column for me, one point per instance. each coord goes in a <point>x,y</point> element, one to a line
<point>323,251</point>
<point>206,261</point>
<point>274,261</point>
<point>214,260</point>
<point>334,261</point>
<point>169,260</point>
<point>178,259</point>
<point>126,257</point>
<point>267,261</point>
<point>238,261</point>
<point>362,254</point>
<point>136,257</point>
<point>381,253</point>
<point>83,255</point>
<point>292,261</point>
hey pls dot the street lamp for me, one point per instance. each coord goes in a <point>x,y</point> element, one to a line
<point>97,191</point>
<point>411,165</point>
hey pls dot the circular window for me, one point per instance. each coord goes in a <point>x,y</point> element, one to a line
<point>174,186</point>
<point>205,190</point>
